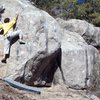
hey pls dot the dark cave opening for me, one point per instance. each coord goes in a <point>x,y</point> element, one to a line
<point>39,71</point>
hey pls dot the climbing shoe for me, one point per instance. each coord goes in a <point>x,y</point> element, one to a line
<point>21,42</point>
<point>3,61</point>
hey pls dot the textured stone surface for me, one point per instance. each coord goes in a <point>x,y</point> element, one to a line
<point>41,34</point>
<point>46,42</point>
<point>90,33</point>
<point>78,60</point>
<point>79,55</point>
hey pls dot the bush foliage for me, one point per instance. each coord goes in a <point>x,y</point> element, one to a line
<point>89,11</point>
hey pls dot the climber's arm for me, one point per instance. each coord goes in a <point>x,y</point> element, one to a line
<point>13,21</point>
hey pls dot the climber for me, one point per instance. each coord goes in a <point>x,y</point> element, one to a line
<point>9,34</point>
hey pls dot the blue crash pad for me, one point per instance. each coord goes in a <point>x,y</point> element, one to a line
<point>22,86</point>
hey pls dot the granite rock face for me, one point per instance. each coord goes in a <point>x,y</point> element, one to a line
<point>81,56</point>
<point>54,50</point>
<point>89,32</point>
<point>78,60</point>
<point>41,33</point>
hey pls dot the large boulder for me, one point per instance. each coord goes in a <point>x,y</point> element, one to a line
<point>46,42</point>
<point>42,36</point>
<point>84,57</point>
<point>89,32</point>
<point>78,60</point>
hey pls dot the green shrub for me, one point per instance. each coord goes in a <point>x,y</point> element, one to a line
<point>89,11</point>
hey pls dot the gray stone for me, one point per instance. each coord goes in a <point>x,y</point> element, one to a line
<point>89,32</point>
<point>93,97</point>
<point>46,42</point>
<point>78,60</point>
<point>42,36</point>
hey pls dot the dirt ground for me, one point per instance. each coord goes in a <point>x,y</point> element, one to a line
<point>52,93</point>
